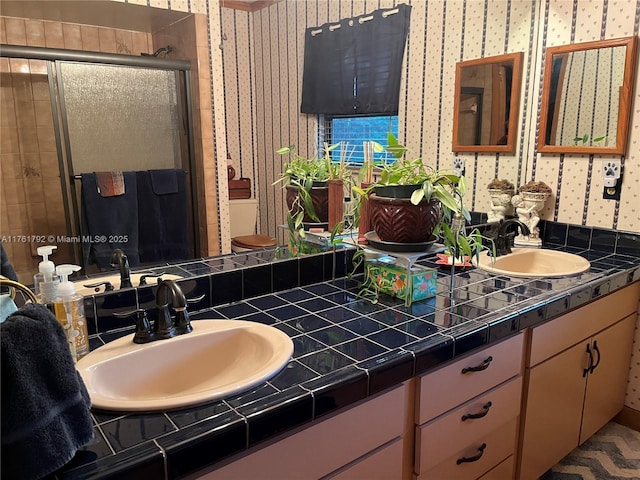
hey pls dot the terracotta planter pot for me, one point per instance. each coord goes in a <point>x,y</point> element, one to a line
<point>398,220</point>
<point>319,198</point>
<point>336,203</point>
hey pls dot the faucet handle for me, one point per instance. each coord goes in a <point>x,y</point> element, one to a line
<point>108,286</point>
<point>143,327</point>
<point>143,278</point>
<point>196,299</point>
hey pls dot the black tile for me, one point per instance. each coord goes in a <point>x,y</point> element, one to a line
<point>338,314</point>
<point>321,288</point>
<point>390,317</point>
<point>304,345</point>
<point>199,268</point>
<point>197,446</point>
<point>325,361</point>
<point>503,327</point>
<point>603,240</point>
<point>342,259</point>
<point>308,323</point>
<point>468,336</point>
<point>256,281</point>
<point>388,370</point>
<point>143,461</point>
<point>260,317</point>
<point>328,259</point>
<point>578,236</point>
<point>287,312</point>
<point>361,306</point>
<point>191,415</point>
<point>90,315</point>
<point>337,390</point>
<point>237,310</point>
<point>286,275</point>
<point>579,296</point>
<point>293,374</point>
<point>283,327</point>
<point>133,430</point>
<point>295,295</point>
<point>391,338</point>
<point>116,334</point>
<point>226,287</point>
<point>333,335</point>
<point>246,260</point>
<point>361,349</point>
<point>316,304</point>
<point>363,326</point>
<point>280,412</point>
<point>222,264</point>
<point>555,233</point>
<point>628,244</point>
<point>95,342</point>
<point>266,302</point>
<point>532,314</point>
<point>252,395</point>
<point>93,450</point>
<point>431,352</point>
<point>311,269</point>
<point>418,328</point>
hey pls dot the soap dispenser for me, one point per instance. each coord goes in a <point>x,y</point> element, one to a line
<point>68,307</point>
<point>45,282</point>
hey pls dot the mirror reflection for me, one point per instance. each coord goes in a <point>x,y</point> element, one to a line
<point>586,97</point>
<point>487,94</point>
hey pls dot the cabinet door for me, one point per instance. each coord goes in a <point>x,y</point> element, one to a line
<point>383,464</point>
<point>607,384</point>
<point>553,411</point>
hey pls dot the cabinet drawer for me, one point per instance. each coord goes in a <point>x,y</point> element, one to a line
<point>436,440</point>
<point>498,445</point>
<point>445,388</point>
<point>563,332</point>
<point>504,471</point>
<point>382,464</point>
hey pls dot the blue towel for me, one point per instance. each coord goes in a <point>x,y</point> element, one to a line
<point>163,218</point>
<point>109,222</point>
<point>45,405</point>
<point>7,306</point>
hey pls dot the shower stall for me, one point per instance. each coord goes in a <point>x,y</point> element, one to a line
<point>70,113</point>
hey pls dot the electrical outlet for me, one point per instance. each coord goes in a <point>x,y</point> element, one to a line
<point>458,164</point>
<point>613,193</point>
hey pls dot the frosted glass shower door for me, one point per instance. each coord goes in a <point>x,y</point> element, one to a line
<point>120,118</point>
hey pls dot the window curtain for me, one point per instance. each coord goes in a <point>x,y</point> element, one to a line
<point>354,66</point>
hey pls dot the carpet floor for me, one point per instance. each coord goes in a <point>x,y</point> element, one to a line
<point>613,453</point>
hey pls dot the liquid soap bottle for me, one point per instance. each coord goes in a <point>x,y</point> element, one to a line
<point>45,282</point>
<point>69,310</point>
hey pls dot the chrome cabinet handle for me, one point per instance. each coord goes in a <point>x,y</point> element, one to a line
<point>475,458</point>
<point>483,366</point>
<point>485,410</point>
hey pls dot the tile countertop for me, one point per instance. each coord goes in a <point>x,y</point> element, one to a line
<point>346,349</point>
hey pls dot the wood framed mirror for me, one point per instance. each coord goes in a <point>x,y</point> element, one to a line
<point>486,104</point>
<point>586,97</point>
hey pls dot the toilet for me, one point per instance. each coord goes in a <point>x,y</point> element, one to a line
<point>243,214</point>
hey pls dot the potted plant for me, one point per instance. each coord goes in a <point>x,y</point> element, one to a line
<point>306,181</point>
<point>411,201</point>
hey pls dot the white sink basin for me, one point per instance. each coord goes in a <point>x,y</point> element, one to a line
<point>115,281</point>
<point>534,262</point>
<point>219,358</point>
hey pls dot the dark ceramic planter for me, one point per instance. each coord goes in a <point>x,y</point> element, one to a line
<point>395,191</point>
<point>319,198</point>
<point>397,220</point>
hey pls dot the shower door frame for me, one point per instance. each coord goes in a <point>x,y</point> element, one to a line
<point>67,180</point>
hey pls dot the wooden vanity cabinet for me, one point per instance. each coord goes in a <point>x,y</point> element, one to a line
<point>369,441</point>
<point>576,378</point>
<point>467,415</point>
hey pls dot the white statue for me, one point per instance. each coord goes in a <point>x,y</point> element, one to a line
<point>527,209</point>
<point>500,205</point>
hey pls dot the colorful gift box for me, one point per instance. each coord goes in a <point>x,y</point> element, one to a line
<point>411,285</point>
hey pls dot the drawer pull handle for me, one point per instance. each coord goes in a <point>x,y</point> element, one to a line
<point>590,366</point>
<point>485,410</point>
<point>483,366</point>
<point>597,350</point>
<point>475,458</point>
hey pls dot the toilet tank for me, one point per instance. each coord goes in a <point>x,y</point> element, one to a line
<point>243,215</point>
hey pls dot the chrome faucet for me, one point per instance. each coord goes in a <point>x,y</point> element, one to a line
<point>120,260</point>
<point>503,239</point>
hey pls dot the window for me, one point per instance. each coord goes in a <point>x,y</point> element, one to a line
<point>355,130</point>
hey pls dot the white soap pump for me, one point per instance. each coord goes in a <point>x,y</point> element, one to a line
<point>45,282</point>
<point>69,310</point>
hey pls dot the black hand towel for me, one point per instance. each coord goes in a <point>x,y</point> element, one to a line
<point>45,405</point>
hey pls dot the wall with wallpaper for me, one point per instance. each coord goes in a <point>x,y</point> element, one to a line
<point>263,56</point>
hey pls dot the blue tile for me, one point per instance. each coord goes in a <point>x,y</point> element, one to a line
<point>578,236</point>
<point>338,314</point>
<point>325,361</point>
<point>311,269</point>
<point>287,312</point>
<point>468,336</point>
<point>304,345</point>
<point>260,317</point>
<point>316,304</point>
<point>237,310</point>
<point>196,287</point>
<point>293,374</point>
<point>628,244</point>
<point>252,395</point>
<point>321,288</point>
<point>555,233</point>
<point>295,295</point>
<point>110,303</point>
<point>188,416</point>
<point>333,335</point>
<point>431,352</point>
<point>308,323</point>
<point>361,349</point>
<point>286,275</point>
<point>392,338</point>
<point>363,326</point>
<point>266,302</point>
<point>90,315</point>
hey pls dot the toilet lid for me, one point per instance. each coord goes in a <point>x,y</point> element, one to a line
<point>253,241</point>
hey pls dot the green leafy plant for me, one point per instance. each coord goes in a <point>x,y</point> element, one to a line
<point>584,140</point>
